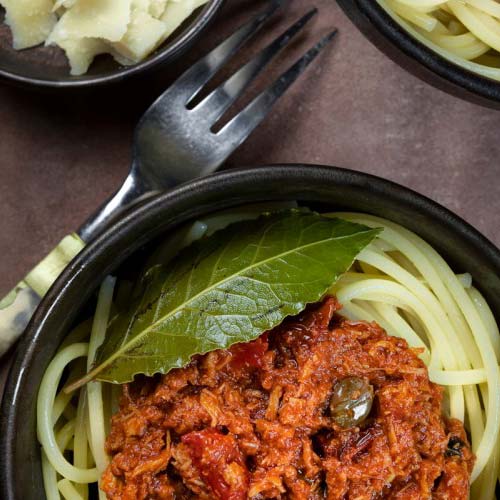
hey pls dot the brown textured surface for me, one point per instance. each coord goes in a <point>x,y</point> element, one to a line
<point>60,157</point>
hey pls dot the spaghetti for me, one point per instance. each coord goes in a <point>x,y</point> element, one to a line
<point>399,281</point>
<point>467,32</point>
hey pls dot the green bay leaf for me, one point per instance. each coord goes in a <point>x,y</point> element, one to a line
<point>228,288</point>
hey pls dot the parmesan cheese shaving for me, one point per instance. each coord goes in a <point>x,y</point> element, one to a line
<point>107,19</point>
<point>129,30</point>
<point>143,35</point>
<point>157,8</point>
<point>81,52</point>
<point>177,11</point>
<point>31,21</point>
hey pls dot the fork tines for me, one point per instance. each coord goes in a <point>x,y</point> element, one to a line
<point>216,103</point>
<point>242,125</point>
<point>212,107</point>
<point>195,78</point>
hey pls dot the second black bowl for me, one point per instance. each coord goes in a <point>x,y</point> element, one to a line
<point>417,58</point>
<point>47,68</point>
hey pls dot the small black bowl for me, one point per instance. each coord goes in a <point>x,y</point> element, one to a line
<point>392,39</point>
<point>322,188</point>
<point>47,67</point>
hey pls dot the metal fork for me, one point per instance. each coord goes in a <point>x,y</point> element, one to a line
<point>175,142</point>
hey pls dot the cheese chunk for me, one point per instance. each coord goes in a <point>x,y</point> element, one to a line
<point>176,12</point>
<point>81,53</point>
<point>61,6</point>
<point>65,4</point>
<point>142,5</point>
<point>31,21</point>
<point>157,8</point>
<point>107,19</point>
<point>144,34</point>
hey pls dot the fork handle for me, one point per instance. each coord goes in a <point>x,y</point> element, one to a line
<point>134,189</point>
<point>17,308</point>
<point>19,305</point>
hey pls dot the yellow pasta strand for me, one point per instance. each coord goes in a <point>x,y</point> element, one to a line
<point>467,32</point>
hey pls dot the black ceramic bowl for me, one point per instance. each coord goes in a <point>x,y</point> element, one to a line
<point>47,67</point>
<point>390,37</point>
<point>323,188</point>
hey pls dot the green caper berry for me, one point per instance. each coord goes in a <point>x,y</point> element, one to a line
<point>351,401</point>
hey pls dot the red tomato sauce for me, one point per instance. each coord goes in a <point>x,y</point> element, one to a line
<point>255,421</point>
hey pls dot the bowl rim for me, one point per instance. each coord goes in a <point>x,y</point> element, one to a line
<point>179,44</point>
<point>147,219</point>
<point>485,89</point>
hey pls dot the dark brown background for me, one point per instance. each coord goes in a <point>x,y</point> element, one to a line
<point>60,156</point>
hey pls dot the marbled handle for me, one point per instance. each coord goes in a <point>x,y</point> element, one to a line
<point>17,308</point>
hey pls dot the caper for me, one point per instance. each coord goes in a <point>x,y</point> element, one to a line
<point>454,448</point>
<point>351,401</point>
